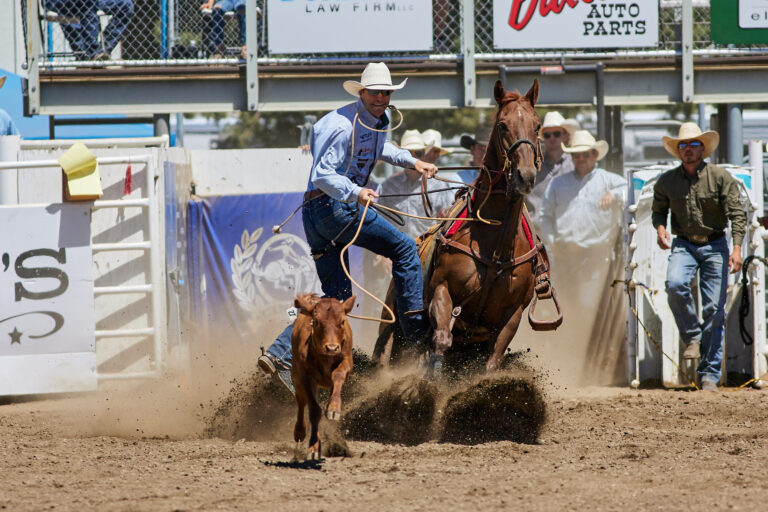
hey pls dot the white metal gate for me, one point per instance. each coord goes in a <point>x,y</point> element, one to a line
<point>117,251</point>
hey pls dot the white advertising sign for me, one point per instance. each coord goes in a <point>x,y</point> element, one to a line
<point>541,24</point>
<point>334,26</point>
<point>753,13</point>
<point>46,292</point>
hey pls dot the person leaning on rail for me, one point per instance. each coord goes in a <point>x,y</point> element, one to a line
<point>345,146</point>
<point>702,197</point>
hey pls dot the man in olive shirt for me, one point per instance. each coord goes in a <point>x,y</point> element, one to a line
<point>702,197</point>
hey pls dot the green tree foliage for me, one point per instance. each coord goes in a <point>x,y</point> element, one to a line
<point>282,129</point>
<point>264,130</point>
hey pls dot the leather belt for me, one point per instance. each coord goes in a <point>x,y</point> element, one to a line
<point>312,194</point>
<point>701,239</point>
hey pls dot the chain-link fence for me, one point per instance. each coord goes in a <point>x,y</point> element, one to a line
<point>161,32</point>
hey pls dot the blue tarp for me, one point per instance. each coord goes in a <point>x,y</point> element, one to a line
<point>238,268</point>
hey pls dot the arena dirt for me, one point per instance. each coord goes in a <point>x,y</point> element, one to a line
<point>224,442</point>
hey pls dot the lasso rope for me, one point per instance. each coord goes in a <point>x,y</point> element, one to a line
<point>649,335</point>
<point>349,276</point>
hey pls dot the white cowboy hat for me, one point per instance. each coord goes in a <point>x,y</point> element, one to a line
<point>482,136</point>
<point>582,141</point>
<point>691,131</point>
<point>555,120</point>
<point>375,76</point>
<point>412,141</point>
<point>434,139</point>
<point>572,124</point>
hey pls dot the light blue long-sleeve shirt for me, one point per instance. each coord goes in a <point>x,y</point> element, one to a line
<point>330,145</point>
<point>571,213</point>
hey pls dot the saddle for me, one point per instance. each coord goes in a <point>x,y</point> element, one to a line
<point>439,235</point>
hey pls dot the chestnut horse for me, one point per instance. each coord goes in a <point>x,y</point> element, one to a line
<point>484,275</point>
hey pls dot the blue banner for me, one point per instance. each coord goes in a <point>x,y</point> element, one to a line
<point>239,270</point>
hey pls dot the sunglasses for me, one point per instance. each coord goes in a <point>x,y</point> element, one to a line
<point>376,92</point>
<point>417,154</point>
<point>556,134</point>
<point>690,144</point>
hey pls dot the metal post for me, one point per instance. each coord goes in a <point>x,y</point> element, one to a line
<point>172,39</point>
<point>9,181</point>
<point>735,135</point>
<point>687,51</point>
<point>633,354</point>
<point>180,130</point>
<point>468,51</point>
<point>757,273</point>
<point>34,53</point>
<point>703,120</point>
<point>162,124</point>
<point>600,99</point>
<point>252,50</point>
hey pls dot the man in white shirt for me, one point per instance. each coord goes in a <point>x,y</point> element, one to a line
<point>580,218</point>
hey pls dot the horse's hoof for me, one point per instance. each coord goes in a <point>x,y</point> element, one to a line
<point>434,366</point>
<point>333,415</point>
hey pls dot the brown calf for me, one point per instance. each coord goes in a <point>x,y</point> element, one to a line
<point>322,356</point>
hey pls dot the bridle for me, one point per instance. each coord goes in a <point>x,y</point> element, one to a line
<point>510,157</point>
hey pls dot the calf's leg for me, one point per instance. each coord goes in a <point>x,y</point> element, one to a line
<point>339,376</point>
<point>315,413</point>
<point>300,429</point>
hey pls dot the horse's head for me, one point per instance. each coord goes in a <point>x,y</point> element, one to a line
<point>329,322</point>
<point>514,143</point>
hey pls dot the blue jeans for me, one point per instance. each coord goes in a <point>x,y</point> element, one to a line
<point>324,218</point>
<point>216,24</point>
<point>83,37</point>
<point>711,260</point>
<point>121,12</point>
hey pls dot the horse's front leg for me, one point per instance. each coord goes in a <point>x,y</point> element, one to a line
<point>440,308</point>
<point>503,340</point>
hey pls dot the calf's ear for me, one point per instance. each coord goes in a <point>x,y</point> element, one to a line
<point>305,302</point>
<point>349,304</point>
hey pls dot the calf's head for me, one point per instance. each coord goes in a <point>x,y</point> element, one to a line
<point>329,322</point>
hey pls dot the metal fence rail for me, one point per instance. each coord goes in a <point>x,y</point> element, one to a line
<point>183,32</point>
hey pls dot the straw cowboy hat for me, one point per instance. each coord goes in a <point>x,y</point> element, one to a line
<point>412,141</point>
<point>582,141</point>
<point>691,131</point>
<point>434,139</point>
<point>482,136</point>
<point>375,76</point>
<point>555,120</point>
<point>2,80</point>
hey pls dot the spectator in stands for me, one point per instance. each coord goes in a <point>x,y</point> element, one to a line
<point>346,144</point>
<point>580,219</point>
<point>7,126</point>
<point>434,149</point>
<point>408,181</point>
<point>702,197</point>
<point>83,28</point>
<point>216,45</point>
<point>477,146</point>
<point>572,126</point>
<point>574,209</point>
<point>555,132</point>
